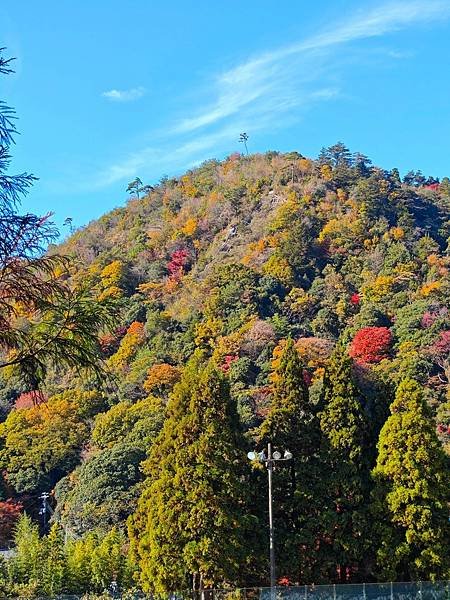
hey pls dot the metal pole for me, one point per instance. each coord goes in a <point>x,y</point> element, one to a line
<point>271,528</point>
<point>43,510</point>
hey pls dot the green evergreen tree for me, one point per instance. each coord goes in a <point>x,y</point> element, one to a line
<point>412,492</point>
<point>291,424</point>
<point>345,449</point>
<point>79,554</point>
<point>25,566</point>
<point>110,563</point>
<point>53,566</point>
<point>191,527</point>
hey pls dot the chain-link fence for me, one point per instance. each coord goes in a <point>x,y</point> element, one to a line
<point>420,590</point>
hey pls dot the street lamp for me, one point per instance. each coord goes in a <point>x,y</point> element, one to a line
<point>269,462</point>
<point>45,507</point>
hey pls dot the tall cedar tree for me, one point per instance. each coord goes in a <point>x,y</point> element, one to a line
<point>42,320</point>
<point>412,492</point>
<point>345,436</point>
<point>192,526</point>
<point>292,425</point>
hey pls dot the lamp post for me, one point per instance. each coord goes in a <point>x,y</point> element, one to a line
<point>269,462</point>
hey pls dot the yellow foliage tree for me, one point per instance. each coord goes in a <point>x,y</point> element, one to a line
<point>397,233</point>
<point>111,278</point>
<point>152,290</point>
<point>129,344</point>
<point>342,230</point>
<point>283,215</point>
<point>305,165</point>
<point>314,351</point>
<point>326,172</point>
<point>299,302</point>
<point>277,266</point>
<point>190,227</point>
<point>341,195</point>
<point>378,289</point>
<point>189,188</point>
<point>112,274</point>
<point>207,332</point>
<point>430,288</point>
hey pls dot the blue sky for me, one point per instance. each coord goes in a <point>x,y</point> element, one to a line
<point>106,90</point>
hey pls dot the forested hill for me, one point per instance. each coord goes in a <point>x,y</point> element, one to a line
<point>271,282</point>
<point>237,255</point>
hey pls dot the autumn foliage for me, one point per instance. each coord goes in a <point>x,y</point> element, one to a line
<point>355,299</point>
<point>271,270</point>
<point>228,361</point>
<point>29,399</point>
<point>442,345</point>
<point>161,377</point>
<point>371,344</point>
<point>177,263</point>
<point>9,513</point>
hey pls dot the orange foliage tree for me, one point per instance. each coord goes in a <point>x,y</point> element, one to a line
<point>161,378</point>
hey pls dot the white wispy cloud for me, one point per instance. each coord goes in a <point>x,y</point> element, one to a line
<point>261,77</point>
<point>399,54</point>
<point>126,168</point>
<point>170,156</point>
<point>386,18</point>
<point>124,95</point>
<point>268,90</point>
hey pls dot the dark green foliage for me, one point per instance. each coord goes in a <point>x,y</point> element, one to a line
<point>300,247</point>
<point>102,492</point>
<point>347,455</point>
<point>239,293</point>
<point>291,424</point>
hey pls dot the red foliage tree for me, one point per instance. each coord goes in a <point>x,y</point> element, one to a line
<point>428,318</point>
<point>355,299</point>
<point>439,351</point>
<point>9,513</point>
<point>29,399</point>
<point>110,342</point>
<point>371,344</point>
<point>177,263</point>
<point>441,346</point>
<point>228,361</point>
<point>307,377</point>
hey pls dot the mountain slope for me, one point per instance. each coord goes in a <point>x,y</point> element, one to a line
<point>324,247</point>
<point>233,258</point>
